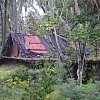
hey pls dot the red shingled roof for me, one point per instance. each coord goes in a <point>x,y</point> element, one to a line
<point>34,44</point>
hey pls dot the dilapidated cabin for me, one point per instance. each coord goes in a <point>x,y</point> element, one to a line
<point>33,47</point>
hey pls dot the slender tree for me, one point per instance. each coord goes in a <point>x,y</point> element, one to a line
<point>15,16</point>
<point>3,21</point>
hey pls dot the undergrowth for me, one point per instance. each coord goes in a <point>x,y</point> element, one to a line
<point>50,82</point>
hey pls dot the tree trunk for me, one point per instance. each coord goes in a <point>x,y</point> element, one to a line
<point>81,60</point>
<point>15,16</point>
<point>96,49</point>
<point>77,11</point>
<point>61,56</point>
<point>3,21</point>
<point>51,4</point>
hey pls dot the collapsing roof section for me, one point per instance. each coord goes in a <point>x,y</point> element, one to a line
<point>30,46</point>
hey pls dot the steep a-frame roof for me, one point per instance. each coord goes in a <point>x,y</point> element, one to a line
<point>28,46</point>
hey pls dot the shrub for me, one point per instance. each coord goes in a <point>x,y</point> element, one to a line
<point>55,95</point>
<point>22,73</point>
<point>46,83</point>
<point>71,91</point>
<point>22,87</point>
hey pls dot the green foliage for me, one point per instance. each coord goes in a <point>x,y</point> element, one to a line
<point>71,91</point>
<point>7,73</point>
<point>47,14</point>
<point>14,92</point>
<point>27,83</point>
<point>69,3</point>
<point>47,83</point>
<point>55,95</point>
<point>22,73</point>
<point>63,71</point>
<point>95,35</point>
<point>45,26</point>
<point>79,34</point>
<point>14,85</point>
